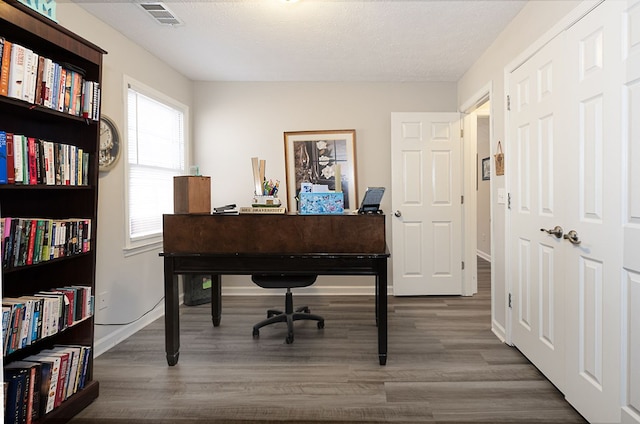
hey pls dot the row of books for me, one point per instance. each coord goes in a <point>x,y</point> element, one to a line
<point>28,76</point>
<point>38,384</point>
<point>27,319</point>
<point>29,241</point>
<point>28,160</point>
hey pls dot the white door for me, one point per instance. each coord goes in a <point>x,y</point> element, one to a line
<point>566,171</point>
<point>536,173</point>
<point>593,159</point>
<point>631,216</point>
<point>426,170</point>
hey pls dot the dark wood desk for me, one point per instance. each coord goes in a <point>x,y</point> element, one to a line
<point>271,244</point>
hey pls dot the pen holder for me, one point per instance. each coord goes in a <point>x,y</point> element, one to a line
<point>267,201</point>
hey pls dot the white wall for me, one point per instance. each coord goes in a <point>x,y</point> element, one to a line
<point>236,121</point>
<point>536,18</point>
<point>133,284</point>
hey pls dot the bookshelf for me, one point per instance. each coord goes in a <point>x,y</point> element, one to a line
<point>54,202</point>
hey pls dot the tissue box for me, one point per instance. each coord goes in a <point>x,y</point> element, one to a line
<point>321,203</point>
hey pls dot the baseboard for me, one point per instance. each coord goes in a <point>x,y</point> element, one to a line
<point>499,331</point>
<point>485,256</point>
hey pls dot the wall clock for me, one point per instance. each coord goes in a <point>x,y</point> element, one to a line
<point>109,143</point>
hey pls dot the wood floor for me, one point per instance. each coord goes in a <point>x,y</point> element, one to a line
<point>444,366</point>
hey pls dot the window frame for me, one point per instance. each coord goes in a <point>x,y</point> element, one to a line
<point>150,242</point>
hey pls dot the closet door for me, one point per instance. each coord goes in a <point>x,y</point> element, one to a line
<point>592,193</point>
<point>566,171</point>
<point>537,177</point>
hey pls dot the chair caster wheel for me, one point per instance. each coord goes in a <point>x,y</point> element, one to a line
<point>256,333</point>
<point>289,338</point>
<point>320,324</point>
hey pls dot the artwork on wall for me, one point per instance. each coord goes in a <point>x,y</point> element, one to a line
<point>486,169</point>
<point>314,156</point>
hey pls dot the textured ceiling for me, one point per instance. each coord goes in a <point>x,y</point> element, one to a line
<point>315,40</point>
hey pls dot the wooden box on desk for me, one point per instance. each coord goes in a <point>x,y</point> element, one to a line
<point>191,194</point>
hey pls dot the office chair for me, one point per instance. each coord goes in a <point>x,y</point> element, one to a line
<point>289,315</point>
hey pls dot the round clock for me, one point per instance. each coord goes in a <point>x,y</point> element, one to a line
<point>109,143</point>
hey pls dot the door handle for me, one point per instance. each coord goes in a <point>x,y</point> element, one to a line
<point>556,231</point>
<point>398,213</point>
<point>572,236</point>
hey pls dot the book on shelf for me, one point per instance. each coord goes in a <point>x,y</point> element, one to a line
<point>17,394</point>
<point>6,320</point>
<point>14,326</point>
<point>41,382</point>
<point>28,241</point>
<point>42,389</point>
<point>30,393</point>
<point>16,71</point>
<point>27,319</point>
<point>11,176</point>
<point>263,210</point>
<point>3,158</point>
<point>4,68</point>
<point>50,374</point>
<point>36,79</point>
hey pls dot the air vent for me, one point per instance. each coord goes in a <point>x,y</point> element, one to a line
<point>161,14</point>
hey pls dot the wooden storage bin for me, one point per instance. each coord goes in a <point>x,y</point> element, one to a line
<point>191,194</point>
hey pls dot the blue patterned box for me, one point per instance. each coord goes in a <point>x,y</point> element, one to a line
<point>321,203</point>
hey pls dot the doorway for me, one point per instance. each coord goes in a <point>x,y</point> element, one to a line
<point>483,178</point>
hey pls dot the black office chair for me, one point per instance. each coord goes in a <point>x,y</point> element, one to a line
<point>289,315</point>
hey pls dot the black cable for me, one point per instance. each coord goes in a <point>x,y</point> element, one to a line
<point>137,319</point>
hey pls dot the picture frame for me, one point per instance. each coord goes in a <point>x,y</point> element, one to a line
<point>311,158</point>
<point>486,169</point>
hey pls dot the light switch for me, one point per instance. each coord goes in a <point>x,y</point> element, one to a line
<point>501,196</point>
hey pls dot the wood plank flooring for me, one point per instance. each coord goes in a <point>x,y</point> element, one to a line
<point>444,366</point>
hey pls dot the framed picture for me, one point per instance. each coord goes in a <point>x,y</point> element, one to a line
<point>312,157</point>
<point>486,169</point>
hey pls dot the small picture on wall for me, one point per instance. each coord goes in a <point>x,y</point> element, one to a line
<point>486,169</point>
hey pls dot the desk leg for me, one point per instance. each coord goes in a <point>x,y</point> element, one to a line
<point>381,309</point>
<point>216,300</point>
<point>171,313</point>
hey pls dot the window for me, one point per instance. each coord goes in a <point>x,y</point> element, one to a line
<point>156,153</point>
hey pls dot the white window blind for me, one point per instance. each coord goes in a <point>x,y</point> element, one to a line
<point>155,156</point>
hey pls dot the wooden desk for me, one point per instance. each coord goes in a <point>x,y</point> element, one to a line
<point>276,244</point>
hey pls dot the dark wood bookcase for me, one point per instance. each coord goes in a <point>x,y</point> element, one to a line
<point>22,25</point>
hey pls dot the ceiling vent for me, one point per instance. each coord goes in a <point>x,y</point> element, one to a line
<point>161,14</point>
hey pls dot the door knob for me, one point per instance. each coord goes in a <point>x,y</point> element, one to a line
<point>398,214</point>
<point>572,236</point>
<point>556,231</point>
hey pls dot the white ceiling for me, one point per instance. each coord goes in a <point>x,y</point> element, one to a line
<point>315,40</point>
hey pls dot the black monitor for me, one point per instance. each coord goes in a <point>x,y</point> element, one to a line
<point>371,200</point>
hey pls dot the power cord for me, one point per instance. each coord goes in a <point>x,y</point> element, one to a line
<point>135,320</point>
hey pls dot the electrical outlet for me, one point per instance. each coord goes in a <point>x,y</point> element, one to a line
<point>102,300</point>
